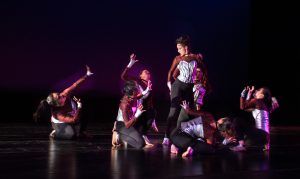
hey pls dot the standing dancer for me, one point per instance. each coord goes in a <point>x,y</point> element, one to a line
<point>182,88</point>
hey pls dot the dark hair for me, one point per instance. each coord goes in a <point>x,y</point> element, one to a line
<point>43,111</point>
<point>204,77</point>
<point>267,98</point>
<point>227,126</point>
<point>184,40</point>
<point>130,88</point>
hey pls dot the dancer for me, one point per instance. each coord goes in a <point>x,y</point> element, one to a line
<point>127,119</point>
<point>147,119</point>
<point>261,104</point>
<point>201,87</point>
<point>195,136</point>
<point>182,88</point>
<point>65,112</point>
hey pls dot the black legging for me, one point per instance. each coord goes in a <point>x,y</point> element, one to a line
<point>183,140</point>
<point>144,122</point>
<point>183,117</point>
<point>130,135</point>
<point>179,92</point>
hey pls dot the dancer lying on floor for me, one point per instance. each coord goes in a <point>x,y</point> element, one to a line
<point>195,136</point>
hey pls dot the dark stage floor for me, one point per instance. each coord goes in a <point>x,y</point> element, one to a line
<point>27,152</point>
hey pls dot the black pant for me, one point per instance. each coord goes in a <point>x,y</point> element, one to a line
<point>183,140</point>
<point>130,135</point>
<point>179,92</point>
<point>183,117</point>
<point>144,122</point>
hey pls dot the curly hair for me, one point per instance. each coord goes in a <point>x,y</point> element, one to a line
<point>184,40</point>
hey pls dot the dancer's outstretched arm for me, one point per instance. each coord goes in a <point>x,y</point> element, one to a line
<point>70,89</point>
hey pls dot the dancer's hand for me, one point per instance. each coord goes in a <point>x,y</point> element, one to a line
<point>275,103</point>
<point>169,85</point>
<point>243,93</point>
<point>231,140</point>
<point>132,60</point>
<point>79,104</point>
<point>250,91</point>
<point>149,84</point>
<point>88,71</point>
<point>185,105</point>
<point>133,56</point>
<point>200,56</point>
<point>139,111</point>
<point>149,88</point>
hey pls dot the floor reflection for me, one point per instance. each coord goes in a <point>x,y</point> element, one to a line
<point>127,163</point>
<point>62,160</point>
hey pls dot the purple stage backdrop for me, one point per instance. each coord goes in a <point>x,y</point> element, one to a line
<point>45,46</point>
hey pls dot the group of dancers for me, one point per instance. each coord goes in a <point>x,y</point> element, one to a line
<point>190,130</point>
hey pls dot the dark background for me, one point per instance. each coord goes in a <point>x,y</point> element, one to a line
<point>45,45</point>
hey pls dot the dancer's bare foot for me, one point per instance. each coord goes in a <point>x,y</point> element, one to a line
<point>166,141</point>
<point>115,139</point>
<point>174,149</point>
<point>188,152</point>
<point>154,126</point>
<point>147,141</point>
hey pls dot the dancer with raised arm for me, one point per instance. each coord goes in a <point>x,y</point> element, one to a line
<point>260,104</point>
<point>65,111</point>
<point>127,119</point>
<point>145,97</point>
